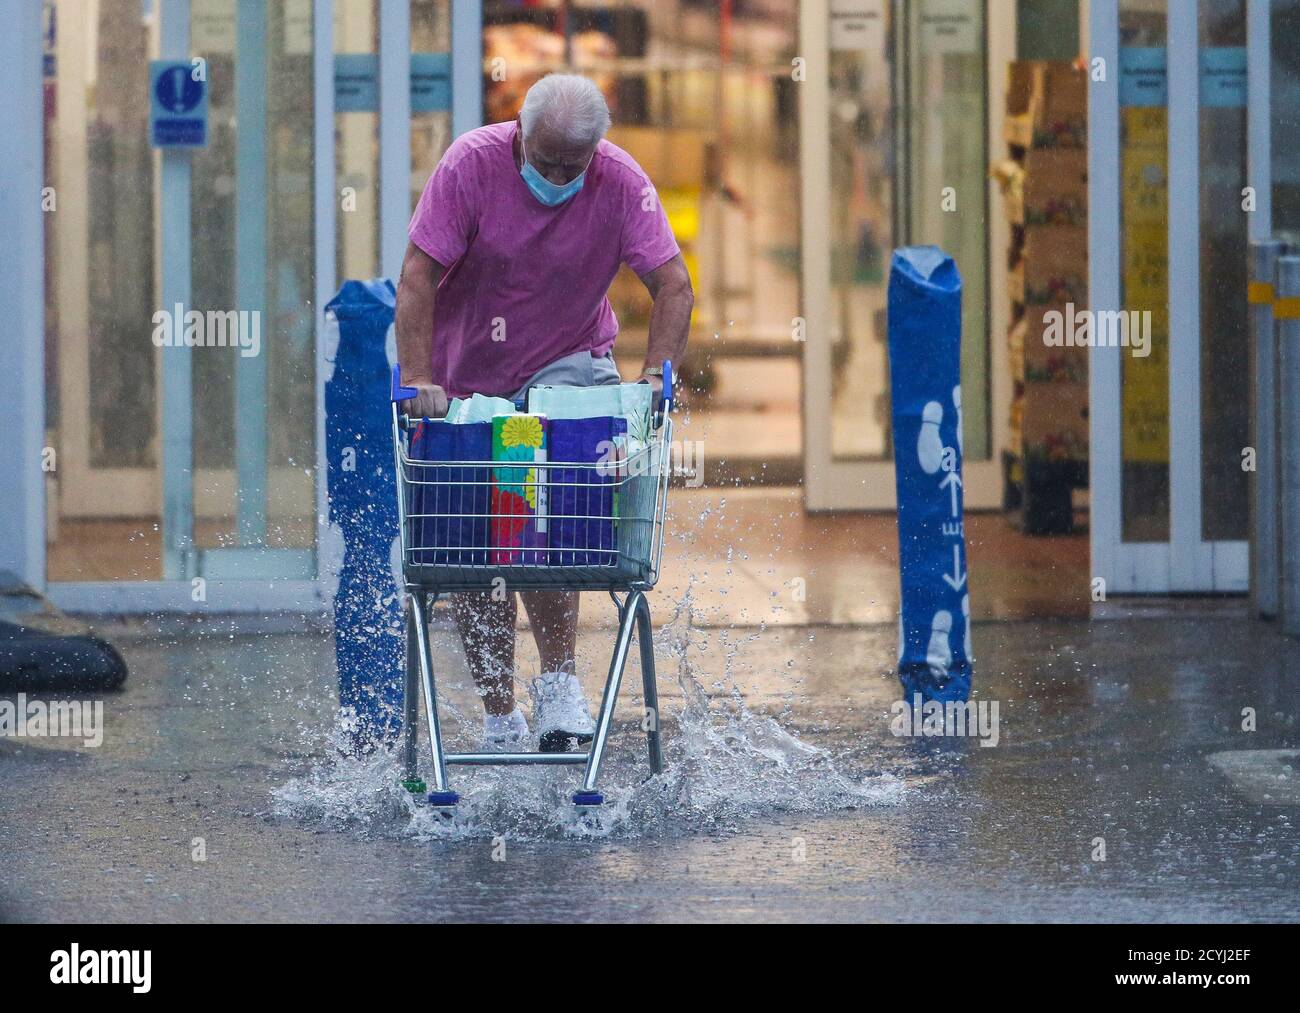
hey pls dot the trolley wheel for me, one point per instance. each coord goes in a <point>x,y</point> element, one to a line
<point>415,785</point>
<point>588,799</point>
<point>442,799</point>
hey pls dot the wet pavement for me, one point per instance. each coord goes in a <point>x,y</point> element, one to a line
<point>1122,787</point>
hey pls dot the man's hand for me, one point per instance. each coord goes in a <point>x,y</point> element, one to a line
<point>429,403</point>
<point>656,383</point>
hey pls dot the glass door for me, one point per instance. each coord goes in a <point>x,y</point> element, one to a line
<point>894,152</point>
<point>181,396</point>
<point>1168,173</point>
<point>103,415</point>
<point>947,153</point>
<point>251,397</point>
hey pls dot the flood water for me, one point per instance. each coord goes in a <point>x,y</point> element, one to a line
<point>1122,787</point>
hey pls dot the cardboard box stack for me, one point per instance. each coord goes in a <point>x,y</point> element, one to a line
<point>1045,183</point>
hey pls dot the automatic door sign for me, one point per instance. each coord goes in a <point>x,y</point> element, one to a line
<point>178,105</point>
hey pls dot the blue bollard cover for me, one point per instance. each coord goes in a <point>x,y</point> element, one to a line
<point>925,369</point>
<point>368,620</point>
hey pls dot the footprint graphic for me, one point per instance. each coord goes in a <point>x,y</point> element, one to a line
<point>939,656</point>
<point>965,611</point>
<point>929,446</point>
<point>956,400</point>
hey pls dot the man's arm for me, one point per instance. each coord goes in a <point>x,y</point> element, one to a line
<point>670,317</point>
<point>415,295</point>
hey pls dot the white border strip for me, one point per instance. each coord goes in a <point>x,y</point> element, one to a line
<point>176,408</point>
<point>814,224</point>
<point>221,597</point>
<point>1104,233</point>
<point>1190,567</point>
<point>1259,112</point>
<point>466,65</point>
<point>22,306</point>
<point>394,133</point>
<point>325,225</point>
<point>1002,33</point>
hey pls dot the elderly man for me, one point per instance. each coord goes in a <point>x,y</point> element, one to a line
<point>514,243</point>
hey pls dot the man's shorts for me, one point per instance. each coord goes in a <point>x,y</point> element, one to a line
<point>581,369</point>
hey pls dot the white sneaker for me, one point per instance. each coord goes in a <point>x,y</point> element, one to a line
<point>560,712</point>
<point>501,731</point>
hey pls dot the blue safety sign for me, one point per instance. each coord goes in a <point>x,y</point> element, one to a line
<point>356,82</point>
<point>178,104</point>
<point>430,82</point>
<point>1143,77</point>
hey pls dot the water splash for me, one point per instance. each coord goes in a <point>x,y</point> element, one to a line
<point>724,765</point>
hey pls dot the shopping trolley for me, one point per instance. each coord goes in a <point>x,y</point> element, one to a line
<point>604,525</point>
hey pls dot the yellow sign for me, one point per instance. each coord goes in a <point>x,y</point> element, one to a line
<point>1145,209</point>
<point>1260,293</point>
<point>1287,309</point>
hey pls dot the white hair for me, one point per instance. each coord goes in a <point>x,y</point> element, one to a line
<point>567,105</point>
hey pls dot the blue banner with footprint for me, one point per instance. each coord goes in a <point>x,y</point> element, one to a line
<point>934,651</point>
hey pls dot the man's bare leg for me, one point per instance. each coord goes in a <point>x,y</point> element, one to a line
<point>554,618</point>
<point>561,716</point>
<point>487,631</point>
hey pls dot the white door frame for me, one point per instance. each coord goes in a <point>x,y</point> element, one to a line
<point>831,484</point>
<point>394,133</point>
<point>1186,563</point>
<point>22,302</point>
<point>1259,114</point>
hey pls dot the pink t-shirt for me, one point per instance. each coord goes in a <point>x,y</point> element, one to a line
<point>526,284</point>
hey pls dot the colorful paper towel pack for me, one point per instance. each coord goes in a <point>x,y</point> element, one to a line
<point>519,522</point>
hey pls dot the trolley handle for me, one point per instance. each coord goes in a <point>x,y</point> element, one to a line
<point>401,393</point>
<point>664,402</point>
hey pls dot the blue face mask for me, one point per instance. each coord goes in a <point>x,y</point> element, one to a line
<point>548,193</point>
